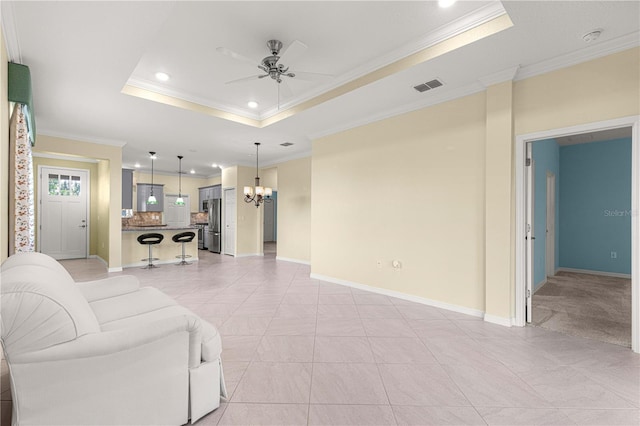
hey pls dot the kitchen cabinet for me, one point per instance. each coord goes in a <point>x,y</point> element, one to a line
<point>144,190</point>
<point>208,193</point>
<point>127,189</point>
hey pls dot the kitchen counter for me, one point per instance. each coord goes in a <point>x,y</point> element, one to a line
<point>150,228</point>
<point>133,252</point>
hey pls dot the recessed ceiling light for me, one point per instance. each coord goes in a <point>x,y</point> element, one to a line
<point>252,104</point>
<point>162,76</point>
<point>137,165</point>
<point>214,165</point>
<point>193,172</point>
<point>446,3</point>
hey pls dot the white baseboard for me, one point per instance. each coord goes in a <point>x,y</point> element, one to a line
<point>540,284</point>
<point>493,319</point>
<point>249,255</point>
<point>289,259</point>
<point>403,296</point>
<point>115,269</point>
<point>601,273</point>
<point>157,262</point>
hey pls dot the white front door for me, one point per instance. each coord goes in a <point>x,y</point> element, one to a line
<point>551,225</point>
<point>230,222</point>
<point>64,196</point>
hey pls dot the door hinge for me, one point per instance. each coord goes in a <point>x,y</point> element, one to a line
<point>528,293</point>
<point>527,162</point>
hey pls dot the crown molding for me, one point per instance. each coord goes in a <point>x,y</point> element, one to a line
<point>588,53</point>
<point>281,160</point>
<point>403,109</point>
<point>10,33</point>
<point>499,77</point>
<point>64,157</point>
<point>153,87</point>
<point>465,23</point>
<point>80,138</point>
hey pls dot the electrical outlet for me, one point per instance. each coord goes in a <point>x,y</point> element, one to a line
<point>379,264</point>
<point>396,264</point>
<point>614,255</point>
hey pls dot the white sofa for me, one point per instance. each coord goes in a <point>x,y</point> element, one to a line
<point>103,352</point>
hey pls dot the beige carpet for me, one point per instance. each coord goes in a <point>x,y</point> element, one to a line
<point>591,306</point>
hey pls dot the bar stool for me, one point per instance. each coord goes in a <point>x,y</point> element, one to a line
<point>183,237</point>
<point>149,240</point>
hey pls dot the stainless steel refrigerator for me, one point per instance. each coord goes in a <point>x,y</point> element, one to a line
<point>214,240</point>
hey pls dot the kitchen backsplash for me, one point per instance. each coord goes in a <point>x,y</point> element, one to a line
<point>201,217</point>
<point>143,219</point>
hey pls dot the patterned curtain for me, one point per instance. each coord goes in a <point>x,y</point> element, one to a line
<point>22,220</point>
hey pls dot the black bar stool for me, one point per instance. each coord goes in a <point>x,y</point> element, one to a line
<point>150,239</point>
<point>183,237</point>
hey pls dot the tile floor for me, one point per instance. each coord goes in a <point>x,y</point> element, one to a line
<point>298,351</point>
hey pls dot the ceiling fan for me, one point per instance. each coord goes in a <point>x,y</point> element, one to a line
<point>274,65</point>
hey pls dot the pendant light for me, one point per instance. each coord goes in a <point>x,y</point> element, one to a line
<point>258,194</point>
<point>152,199</point>
<point>180,200</point>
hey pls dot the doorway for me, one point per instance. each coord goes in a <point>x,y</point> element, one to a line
<point>270,225</point>
<point>526,242</point>
<point>63,231</point>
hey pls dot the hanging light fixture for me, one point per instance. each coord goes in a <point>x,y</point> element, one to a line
<point>180,200</point>
<point>258,194</point>
<point>152,199</point>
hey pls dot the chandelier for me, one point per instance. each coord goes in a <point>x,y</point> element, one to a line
<point>259,194</point>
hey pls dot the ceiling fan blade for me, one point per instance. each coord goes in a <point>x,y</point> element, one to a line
<point>312,76</point>
<point>235,55</point>
<point>244,79</point>
<point>292,52</point>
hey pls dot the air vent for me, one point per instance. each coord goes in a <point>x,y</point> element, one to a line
<point>286,144</point>
<point>428,85</point>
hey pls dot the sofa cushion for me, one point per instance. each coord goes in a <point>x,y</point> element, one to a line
<point>41,308</point>
<point>211,342</point>
<point>146,299</point>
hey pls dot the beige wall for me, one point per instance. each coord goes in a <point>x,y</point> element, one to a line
<point>189,186</point>
<point>109,245</point>
<point>294,210</point>
<point>248,217</point>
<point>214,180</point>
<point>269,178</point>
<point>94,192</point>
<point>597,90</point>
<point>435,188</point>
<point>249,222</point>
<point>4,152</point>
<point>410,188</point>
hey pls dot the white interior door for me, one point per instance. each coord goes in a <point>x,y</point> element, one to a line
<point>551,225</point>
<point>230,221</point>
<point>64,197</point>
<point>530,236</point>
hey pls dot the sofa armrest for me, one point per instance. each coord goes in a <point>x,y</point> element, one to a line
<point>108,287</point>
<point>112,342</point>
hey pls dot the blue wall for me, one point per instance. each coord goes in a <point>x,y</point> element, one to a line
<point>546,157</point>
<point>595,194</point>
